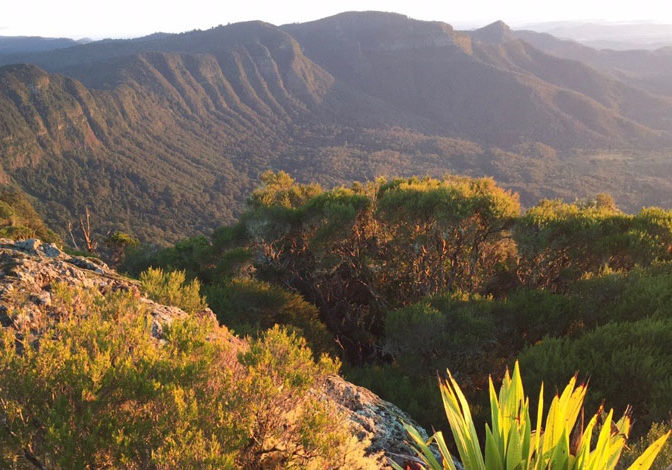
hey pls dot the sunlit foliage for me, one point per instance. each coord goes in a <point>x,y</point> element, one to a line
<point>172,288</point>
<point>95,389</point>
<point>410,276</point>
<point>512,440</point>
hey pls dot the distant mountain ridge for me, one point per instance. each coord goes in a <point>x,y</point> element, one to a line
<point>27,44</point>
<point>484,85</point>
<point>650,70</point>
<point>610,35</point>
<point>164,135</point>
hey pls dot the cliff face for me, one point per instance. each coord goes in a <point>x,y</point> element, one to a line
<point>29,269</point>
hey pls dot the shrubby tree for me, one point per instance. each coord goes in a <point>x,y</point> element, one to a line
<point>559,242</point>
<point>118,243</point>
<point>280,190</point>
<point>359,252</point>
<point>447,233</point>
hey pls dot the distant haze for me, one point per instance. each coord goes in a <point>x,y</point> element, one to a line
<point>620,35</point>
<point>126,18</point>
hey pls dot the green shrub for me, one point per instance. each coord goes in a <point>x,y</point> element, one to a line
<point>172,288</point>
<point>441,332</point>
<point>634,449</point>
<point>17,232</point>
<point>6,211</point>
<point>628,296</point>
<point>248,306</point>
<point>96,390</point>
<point>288,425</point>
<point>194,256</point>
<point>527,315</point>
<point>627,363</point>
<point>456,331</point>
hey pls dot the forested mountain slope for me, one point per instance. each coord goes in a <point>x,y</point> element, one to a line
<point>486,85</point>
<point>647,69</point>
<point>164,135</point>
<point>172,130</point>
<point>167,130</point>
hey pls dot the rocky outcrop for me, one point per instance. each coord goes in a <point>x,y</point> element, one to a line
<point>29,269</point>
<point>376,420</point>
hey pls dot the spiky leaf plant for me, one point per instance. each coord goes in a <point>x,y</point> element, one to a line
<point>511,443</point>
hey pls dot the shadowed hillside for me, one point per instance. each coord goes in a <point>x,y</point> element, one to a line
<point>648,69</point>
<point>485,86</point>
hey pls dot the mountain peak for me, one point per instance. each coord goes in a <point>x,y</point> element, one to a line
<point>372,30</point>
<point>371,22</point>
<point>369,16</point>
<point>496,33</point>
<point>497,25</point>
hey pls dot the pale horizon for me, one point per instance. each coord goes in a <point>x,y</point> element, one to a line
<point>125,19</point>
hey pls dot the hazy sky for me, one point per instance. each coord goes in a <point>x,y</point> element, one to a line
<point>128,18</point>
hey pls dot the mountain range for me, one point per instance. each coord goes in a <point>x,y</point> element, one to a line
<point>164,135</point>
<point>24,44</point>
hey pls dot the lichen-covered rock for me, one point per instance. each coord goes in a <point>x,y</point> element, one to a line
<point>29,269</point>
<point>375,419</point>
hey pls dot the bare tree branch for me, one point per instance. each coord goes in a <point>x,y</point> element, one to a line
<point>72,236</point>
<point>91,244</point>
